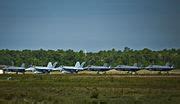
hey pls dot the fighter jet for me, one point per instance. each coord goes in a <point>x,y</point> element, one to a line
<point>40,69</point>
<point>103,68</point>
<point>72,69</point>
<point>20,69</point>
<point>129,69</point>
<point>160,68</point>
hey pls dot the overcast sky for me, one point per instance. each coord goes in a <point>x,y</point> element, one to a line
<point>89,24</point>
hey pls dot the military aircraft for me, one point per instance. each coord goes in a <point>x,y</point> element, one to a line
<point>20,69</point>
<point>48,69</point>
<point>129,69</point>
<point>72,69</point>
<point>103,68</point>
<point>160,68</point>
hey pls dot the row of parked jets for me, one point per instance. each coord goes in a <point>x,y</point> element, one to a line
<point>79,67</point>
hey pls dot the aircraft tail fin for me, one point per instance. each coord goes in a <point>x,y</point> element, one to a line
<point>135,64</point>
<point>167,64</point>
<point>82,64</point>
<point>105,65</point>
<point>12,63</point>
<point>77,65</point>
<point>54,65</point>
<point>23,65</point>
<point>50,65</point>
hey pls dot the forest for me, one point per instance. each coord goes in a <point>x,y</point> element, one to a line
<point>112,57</point>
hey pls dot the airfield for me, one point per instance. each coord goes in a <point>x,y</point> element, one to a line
<point>114,87</point>
<point>114,72</point>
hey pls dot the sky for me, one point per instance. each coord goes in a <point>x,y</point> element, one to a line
<point>90,25</point>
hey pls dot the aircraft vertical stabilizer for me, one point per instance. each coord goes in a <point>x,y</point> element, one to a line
<point>82,64</point>
<point>50,65</point>
<point>54,65</point>
<point>77,65</point>
<point>135,64</point>
<point>23,65</point>
<point>167,64</point>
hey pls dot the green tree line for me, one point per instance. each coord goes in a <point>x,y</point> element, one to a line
<point>112,57</point>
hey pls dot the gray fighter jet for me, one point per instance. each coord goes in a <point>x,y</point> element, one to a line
<point>160,68</point>
<point>129,69</point>
<point>103,68</point>
<point>48,69</point>
<point>20,69</point>
<point>72,69</point>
